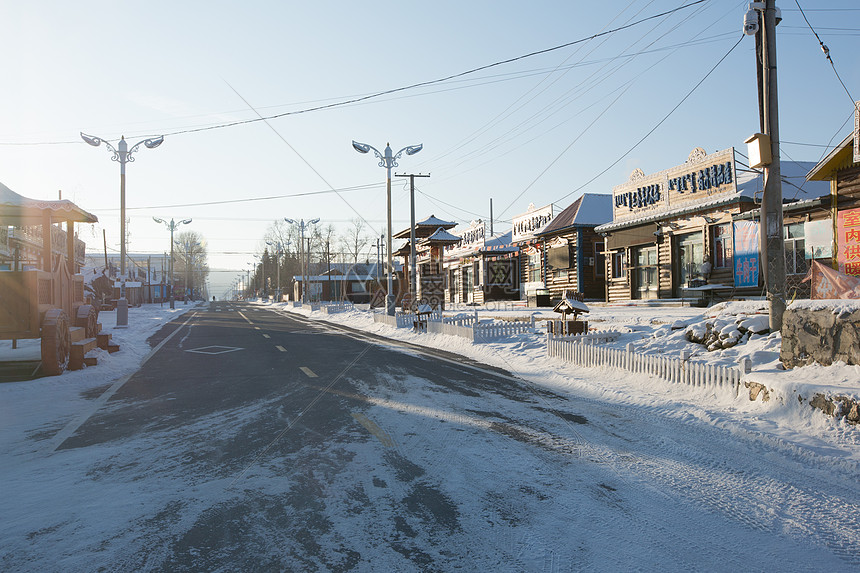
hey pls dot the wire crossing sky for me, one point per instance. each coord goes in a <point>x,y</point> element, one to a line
<point>518,103</point>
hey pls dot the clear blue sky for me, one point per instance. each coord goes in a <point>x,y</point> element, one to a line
<point>536,130</point>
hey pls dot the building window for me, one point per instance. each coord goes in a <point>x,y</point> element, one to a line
<point>599,260</point>
<point>795,247</point>
<point>534,267</point>
<point>722,247</point>
<point>619,265</point>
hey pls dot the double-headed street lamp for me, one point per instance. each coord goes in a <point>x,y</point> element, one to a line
<point>302,226</point>
<point>172,226</point>
<point>123,155</point>
<point>279,248</point>
<point>389,161</point>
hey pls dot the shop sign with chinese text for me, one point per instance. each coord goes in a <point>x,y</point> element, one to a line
<point>702,177</point>
<point>532,222</point>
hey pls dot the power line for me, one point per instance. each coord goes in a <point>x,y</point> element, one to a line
<point>412,86</point>
<point>826,51</point>
<point>248,199</point>
<point>653,129</point>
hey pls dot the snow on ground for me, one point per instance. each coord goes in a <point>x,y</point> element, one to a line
<point>45,405</point>
<point>126,480</point>
<point>662,331</point>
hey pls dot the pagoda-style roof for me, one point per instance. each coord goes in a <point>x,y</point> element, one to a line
<point>441,237</point>
<point>425,228</point>
<point>403,251</point>
<point>19,211</point>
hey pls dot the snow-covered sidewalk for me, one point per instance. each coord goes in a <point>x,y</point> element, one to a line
<point>45,405</point>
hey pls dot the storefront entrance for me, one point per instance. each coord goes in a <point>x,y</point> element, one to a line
<point>645,274</point>
<point>690,253</point>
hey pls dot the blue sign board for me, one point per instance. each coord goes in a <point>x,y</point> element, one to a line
<point>746,259</point>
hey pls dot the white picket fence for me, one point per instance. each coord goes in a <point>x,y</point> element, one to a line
<point>676,370</point>
<point>335,307</point>
<point>482,331</point>
<point>462,319</point>
<point>466,327</point>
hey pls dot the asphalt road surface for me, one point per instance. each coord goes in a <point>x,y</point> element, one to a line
<point>258,441</point>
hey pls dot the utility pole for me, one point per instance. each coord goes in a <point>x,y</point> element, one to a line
<point>413,278</point>
<point>772,244</point>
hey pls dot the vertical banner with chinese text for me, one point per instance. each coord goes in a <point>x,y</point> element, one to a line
<point>746,253</point>
<point>848,241</point>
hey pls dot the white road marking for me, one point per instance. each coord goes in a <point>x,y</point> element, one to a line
<point>308,371</point>
<point>73,426</point>
<point>266,335</point>
<point>281,348</point>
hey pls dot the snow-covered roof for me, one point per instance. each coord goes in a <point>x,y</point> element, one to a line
<point>17,210</point>
<point>568,304</point>
<point>441,236</point>
<point>425,227</point>
<point>500,244</point>
<point>590,210</point>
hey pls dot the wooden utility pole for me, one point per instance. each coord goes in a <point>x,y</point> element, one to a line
<point>413,279</point>
<point>772,241</point>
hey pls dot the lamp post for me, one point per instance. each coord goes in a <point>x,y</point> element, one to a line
<point>279,248</point>
<point>302,226</point>
<point>389,161</point>
<point>123,155</point>
<point>172,226</point>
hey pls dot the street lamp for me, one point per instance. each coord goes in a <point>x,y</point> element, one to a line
<point>279,248</point>
<point>172,226</point>
<point>123,155</point>
<point>389,161</point>
<point>302,226</point>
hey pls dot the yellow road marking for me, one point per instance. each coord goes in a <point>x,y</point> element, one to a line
<point>371,427</point>
<point>281,348</point>
<point>308,371</point>
<point>266,335</point>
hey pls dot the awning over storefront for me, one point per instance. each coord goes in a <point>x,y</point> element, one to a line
<point>633,236</point>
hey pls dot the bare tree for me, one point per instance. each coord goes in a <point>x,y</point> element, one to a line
<point>354,240</point>
<point>191,260</point>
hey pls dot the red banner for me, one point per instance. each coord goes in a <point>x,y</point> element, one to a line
<point>830,283</point>
<point>848,239</point>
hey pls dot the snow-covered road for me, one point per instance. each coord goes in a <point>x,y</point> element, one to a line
<point>412,459</point>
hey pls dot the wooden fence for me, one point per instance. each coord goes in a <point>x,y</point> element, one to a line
<point>586,353</point>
